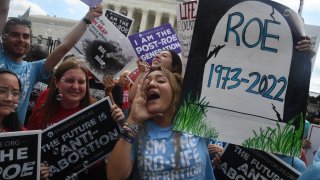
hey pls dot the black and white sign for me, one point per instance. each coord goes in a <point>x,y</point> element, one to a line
<point>20,155</point>
<point>77,142</point>
<point>121,22</point>
<point>243,163</point>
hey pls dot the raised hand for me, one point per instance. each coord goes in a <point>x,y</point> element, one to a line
<point>94,12</point>
<point>306,45</point>
<point>139,112</point>
<point>143,66</point>
<point>44,171</point>
<point>117,114</point>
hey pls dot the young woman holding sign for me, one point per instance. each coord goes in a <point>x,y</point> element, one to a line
<point>149,147</point>
<point>68,93</point>
<point>313,171</point>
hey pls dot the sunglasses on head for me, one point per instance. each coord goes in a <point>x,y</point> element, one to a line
<point>18,21</point>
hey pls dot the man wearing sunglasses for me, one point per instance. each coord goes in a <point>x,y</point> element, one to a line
<point>16,40</point>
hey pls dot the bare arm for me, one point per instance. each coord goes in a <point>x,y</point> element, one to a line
<point>109,85</point>
<point>71,39</point>
<point>120,164</point>
<point>4,9</point>
<point>143,68</point>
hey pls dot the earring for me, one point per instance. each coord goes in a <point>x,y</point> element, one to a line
<point>59,97</point>
<point>14,108</point>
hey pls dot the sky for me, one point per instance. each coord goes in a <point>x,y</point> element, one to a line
<point>75,9</point>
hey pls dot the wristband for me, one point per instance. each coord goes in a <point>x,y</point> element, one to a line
<point>134,127</point>
<point>85,20</point>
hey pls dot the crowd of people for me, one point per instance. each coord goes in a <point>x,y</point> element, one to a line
<point>145,108</point>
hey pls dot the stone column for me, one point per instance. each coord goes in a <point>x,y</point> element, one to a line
<point>157,19</point>
<point>172,19</point>
<point>130,12</point>
<point>106,6</point>
<point>117,8</point>
<point>143,23</point>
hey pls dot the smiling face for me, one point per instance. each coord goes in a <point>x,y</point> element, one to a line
<point>163,59</point>
<point>72,85</point>
<point>159,93</point>
<point>124,81</point>
<point>9,93</point>
<point>17,41</point>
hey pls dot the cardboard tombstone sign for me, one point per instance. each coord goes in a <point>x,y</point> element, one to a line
<point>245,81</point>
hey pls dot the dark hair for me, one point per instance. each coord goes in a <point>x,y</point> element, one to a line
<point>16,21</point>
<point>176,62</point>
<point>37,52</point>
<point>11,122</point>
<point>3,71</point>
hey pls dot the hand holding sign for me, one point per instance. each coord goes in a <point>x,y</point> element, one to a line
<point>143,66</point>
<point>94,12</point>
<point>92,3</point>
<point>44,171</point>
<point>306,45</point>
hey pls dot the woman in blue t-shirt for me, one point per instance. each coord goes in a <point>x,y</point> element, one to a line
<point>313,171</point>
<point>148,147</point>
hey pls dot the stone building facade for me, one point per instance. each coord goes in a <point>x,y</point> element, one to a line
<point>146,14</point>
<point>49,30</point>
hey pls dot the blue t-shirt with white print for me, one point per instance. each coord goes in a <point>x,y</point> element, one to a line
<point>156,155</point>
<point>29,74</point>
<point>313,171</point>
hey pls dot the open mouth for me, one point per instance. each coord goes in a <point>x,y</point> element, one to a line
<point>153,95</point>
<point>156,61</point>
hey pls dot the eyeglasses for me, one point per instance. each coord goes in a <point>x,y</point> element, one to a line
<point>5,90</point>
<point>20,21</point>
<point>72,81</point>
